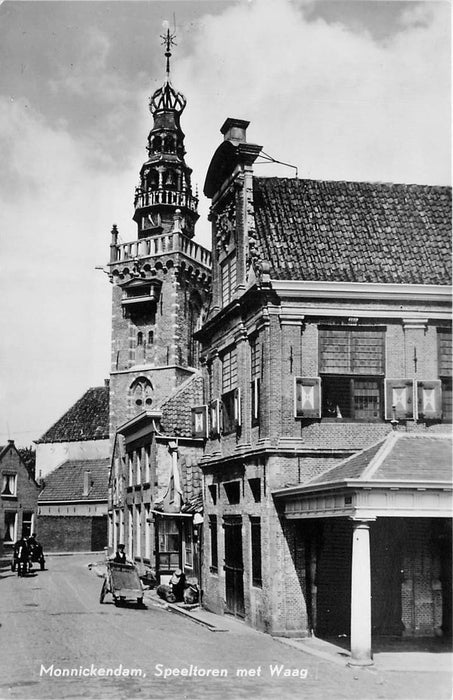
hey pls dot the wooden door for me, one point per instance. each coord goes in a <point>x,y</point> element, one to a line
<point>234,566</point>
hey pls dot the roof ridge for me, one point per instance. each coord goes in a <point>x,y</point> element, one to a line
<point>370,183</point>
<point>376,461</point>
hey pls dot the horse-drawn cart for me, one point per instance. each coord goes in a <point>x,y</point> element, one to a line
<point>123,582</point>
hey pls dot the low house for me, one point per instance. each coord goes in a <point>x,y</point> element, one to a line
<point>18,498</point>
<point>72,507</point>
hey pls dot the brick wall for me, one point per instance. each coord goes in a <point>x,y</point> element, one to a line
<point>72,533</point>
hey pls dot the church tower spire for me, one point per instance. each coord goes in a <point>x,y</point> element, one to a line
<point>165,179</point>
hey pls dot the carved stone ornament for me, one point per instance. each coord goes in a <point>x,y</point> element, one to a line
<point>225,226</point>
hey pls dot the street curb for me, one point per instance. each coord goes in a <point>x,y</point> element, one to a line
<point>301,646</point>
<point>187,613</point>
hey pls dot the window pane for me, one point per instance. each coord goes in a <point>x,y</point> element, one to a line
<point>367,400</point>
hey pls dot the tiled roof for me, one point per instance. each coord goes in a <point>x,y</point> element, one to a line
<point>353,231</point>
<point>176,410</point>
<point>350,468</point>
<point>87,419</point>
<point>400,457</point>
<point>419,457</point>
<point>66,482</point>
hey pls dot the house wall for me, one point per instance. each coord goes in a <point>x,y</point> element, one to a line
<point>72,533</point>
<point>49,456</point>
<point>284,450</point>
<point>25,499</point>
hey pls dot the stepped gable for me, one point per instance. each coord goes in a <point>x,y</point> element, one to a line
<point>176,410</point>
<point>353,231</point>
<point>66,482</point>
<point>87,419</point>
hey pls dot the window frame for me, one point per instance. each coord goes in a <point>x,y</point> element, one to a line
<point>352,380</point>
<point>6,476</point>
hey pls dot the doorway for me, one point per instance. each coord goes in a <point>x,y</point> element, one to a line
<point>234,566</point>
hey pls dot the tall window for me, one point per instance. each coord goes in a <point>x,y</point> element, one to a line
<point>169,542</point>
<point>255,536</point>
<point>9,484</point>
<point>138,467</point>
<point>229,384</point>
<point>352,368</point>
<point>147,532</point>
<point>10,530</point>
<point>444,344</point>
<point>213,541</point>
<point>194,314</point>
<point>138,531</point>
<point>188,545</point>
<point>255,371</point>
<point>228,278</point>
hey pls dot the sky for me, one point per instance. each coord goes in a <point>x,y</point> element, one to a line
<point>343,90</point>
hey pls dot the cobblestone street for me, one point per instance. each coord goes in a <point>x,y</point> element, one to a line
<point>52,622</point>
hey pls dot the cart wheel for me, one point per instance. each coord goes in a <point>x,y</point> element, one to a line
<point>103,592</point>
<point>140,602</point>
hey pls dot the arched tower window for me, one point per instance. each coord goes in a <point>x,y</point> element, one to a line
<point>140,394</point>
<point>169,144</point>
<point>157,144</point>
<point>170,180</point>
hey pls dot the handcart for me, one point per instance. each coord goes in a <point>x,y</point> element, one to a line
<point>123,582</point>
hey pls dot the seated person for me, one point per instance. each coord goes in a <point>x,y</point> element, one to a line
<point>120,556</point>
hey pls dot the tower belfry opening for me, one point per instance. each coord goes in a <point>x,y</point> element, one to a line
<point>165,178</point>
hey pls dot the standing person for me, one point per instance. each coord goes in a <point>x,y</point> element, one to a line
<point>23,554</point>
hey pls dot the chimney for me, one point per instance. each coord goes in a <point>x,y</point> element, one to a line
<point>86,482</point>
<point>234,130</point>
<point>107,383</point>
<point>11,442</point>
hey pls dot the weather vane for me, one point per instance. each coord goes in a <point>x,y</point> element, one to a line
<point>168,40</point>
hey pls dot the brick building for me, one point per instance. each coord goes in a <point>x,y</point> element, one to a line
<point>72,465</point>
<point>327,366</point>
<point>72,507</point>
<point>160,292</point>
<point>18,498</point>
